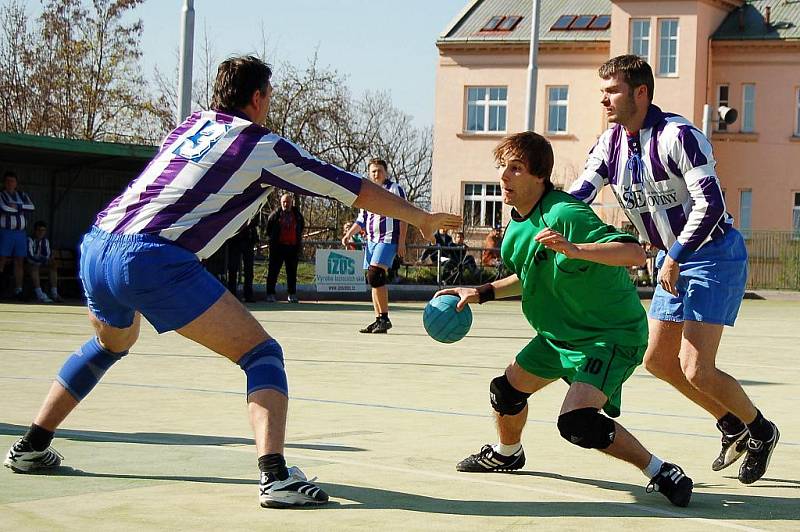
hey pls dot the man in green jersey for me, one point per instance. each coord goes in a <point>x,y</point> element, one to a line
<point>592,330</point>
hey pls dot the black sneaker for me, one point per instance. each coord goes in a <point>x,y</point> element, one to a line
<point>296,490</point>
<point>382,326</point>
<point>21,458</point>
<point>733,447</point>
<point>757,460</point>
<point>488,460</point>
<point>371,327</point>
<point>672,483</point>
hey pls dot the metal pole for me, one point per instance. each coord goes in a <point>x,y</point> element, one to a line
<point>707,121</point>
<point>187,51</point>
<point>533,69</point>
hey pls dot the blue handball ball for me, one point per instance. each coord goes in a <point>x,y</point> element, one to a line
<point>443,323</point>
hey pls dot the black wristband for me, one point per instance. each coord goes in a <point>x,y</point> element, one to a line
<point>485,293</point>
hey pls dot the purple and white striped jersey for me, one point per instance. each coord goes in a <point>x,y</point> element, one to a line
<point>12,209</point>
<point>382,228</point>
<point>211,176</point>
<point>664,180</point>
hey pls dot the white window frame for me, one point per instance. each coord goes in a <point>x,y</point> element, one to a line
<point>487,105</point>
<point>746,192</point>
<point>748,109</point>
<point>660,67</point>
<point>557,104</point>
<point>797,112</point>
<point>643,40</point>
<point>796,215</point>
<point>483,198</point>
<point>720,124</point>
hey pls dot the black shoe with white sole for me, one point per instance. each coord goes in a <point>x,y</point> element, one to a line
<point>733,447</point>
<point>672,483</point>
<point>487,460</point>
<point>759,453</point>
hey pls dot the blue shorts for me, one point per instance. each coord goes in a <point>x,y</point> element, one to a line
<point>123,274</point>
<point>13,243</point>
<point>711,284</point>
<point>379,253</point>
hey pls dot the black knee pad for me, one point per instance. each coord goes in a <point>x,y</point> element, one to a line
<point>376,276</point>
<point>587,428</point>
<point>506,400</point>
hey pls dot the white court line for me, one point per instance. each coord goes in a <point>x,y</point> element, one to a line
<point>475,480</point>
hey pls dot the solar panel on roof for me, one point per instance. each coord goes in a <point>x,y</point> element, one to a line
<point>509,23</point>
<point>563,22</point>
<point>582,22</point>
<point>602,22</point>
<point>492,24</point>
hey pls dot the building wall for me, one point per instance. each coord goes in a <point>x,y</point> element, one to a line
<point>765,162</point>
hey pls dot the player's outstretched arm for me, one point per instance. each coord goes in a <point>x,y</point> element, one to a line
<point>608,253</point>
<point>505,287</point>
<point>377,199</point>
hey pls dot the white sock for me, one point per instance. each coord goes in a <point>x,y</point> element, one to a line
<point>507,450</point>
<point>653,467</point>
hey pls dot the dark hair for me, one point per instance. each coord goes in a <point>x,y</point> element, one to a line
<point>632,69</point>
<point>531,148</point>
<point>38,224</point>
<point>378,162</point>
<point>237,79</point>
<point>10,173</point>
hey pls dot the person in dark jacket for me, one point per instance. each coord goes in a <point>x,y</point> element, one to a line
<point>285,232</point>
<point>241,251</point>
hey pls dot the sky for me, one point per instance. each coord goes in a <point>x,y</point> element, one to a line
<point>386,45</point>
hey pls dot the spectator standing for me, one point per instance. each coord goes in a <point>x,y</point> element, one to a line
<point>14,205</point>
<point>40,254</point>
<point>241,251</point>
<point>491,247</point>
<point>285,232</point>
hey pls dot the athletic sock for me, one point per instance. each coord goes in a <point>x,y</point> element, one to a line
<point>274,464</point>
<point>760,428</point>
<point>39,438</point>
<point>653,467</point>
<point>730,424</point>
<point>507,450</point>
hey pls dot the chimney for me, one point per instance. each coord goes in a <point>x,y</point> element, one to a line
<point>768,13</point>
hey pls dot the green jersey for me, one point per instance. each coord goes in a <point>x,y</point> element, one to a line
<point>571,300</point>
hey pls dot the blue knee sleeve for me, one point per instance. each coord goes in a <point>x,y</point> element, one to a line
<point>263,366</point>
<point>85,367</point>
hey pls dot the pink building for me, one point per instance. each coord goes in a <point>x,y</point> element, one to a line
<point>744,55</point>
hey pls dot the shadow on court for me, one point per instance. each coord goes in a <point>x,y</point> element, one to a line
<point>706,505</point>
<point>162,438</point>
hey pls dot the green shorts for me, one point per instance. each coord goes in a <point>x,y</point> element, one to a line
<point>605,366</point>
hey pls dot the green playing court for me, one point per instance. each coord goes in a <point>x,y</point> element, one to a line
<point>164,442</point>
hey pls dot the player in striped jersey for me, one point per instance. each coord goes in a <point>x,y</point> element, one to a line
<point>208,179</point>
<point>14,206</point>
<point>661,169</point>
<point>386,237</point>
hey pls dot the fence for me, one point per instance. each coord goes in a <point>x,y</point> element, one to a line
<point>774,262</point>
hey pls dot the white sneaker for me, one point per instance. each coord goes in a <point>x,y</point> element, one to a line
<point>292,299</point>
<point>43,298</point>
<point>296,490</point>
<point>21,458</point>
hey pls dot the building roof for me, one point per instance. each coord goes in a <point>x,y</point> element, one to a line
<point>51,151</point>
<point>467,25</point>
<point>749,22</point>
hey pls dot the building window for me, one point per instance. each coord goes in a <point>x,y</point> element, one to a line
<point>668,47</point>
<point>745,211</point>
<point>796,215</point>
<point>557,109</point>
<point>483,206</point>
<point>748,107</point>
<point>797,114</point>
<point>722,99</point>
<point>486,109</point>
<point>640,38</point>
